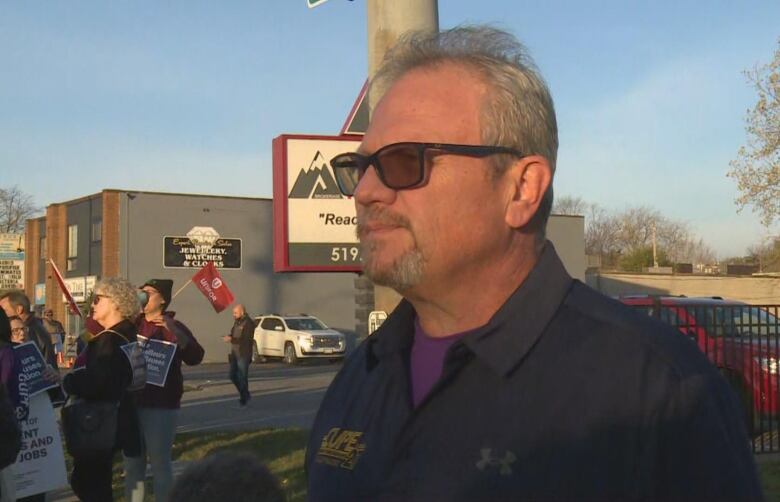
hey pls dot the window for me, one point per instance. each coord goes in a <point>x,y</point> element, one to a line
<point>42,248</point>
<point>73,244</point>
<point>97,231</point>
<point>305,324</point>
<point>271,324</point>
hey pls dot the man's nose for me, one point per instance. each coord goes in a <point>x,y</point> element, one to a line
<point>370,189</point>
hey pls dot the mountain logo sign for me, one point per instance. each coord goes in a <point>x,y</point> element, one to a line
<point>316,182</point>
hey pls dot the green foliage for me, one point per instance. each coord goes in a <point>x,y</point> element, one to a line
<point>757,166</point>
<point>641,258</point>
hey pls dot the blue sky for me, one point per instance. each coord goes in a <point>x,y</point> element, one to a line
<point>187,96</point>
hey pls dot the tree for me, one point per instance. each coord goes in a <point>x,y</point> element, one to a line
<point>757,166</point>
<point>624,239</point>
<point>569,205</point>
<point>642,257</point>
<point>15,208</point>
<point>765,254</point>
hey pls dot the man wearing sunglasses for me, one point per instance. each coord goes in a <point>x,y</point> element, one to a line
<point>499,377</point>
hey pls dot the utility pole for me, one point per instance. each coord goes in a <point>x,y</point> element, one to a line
<point>655,255</point>
<point>387,20</point>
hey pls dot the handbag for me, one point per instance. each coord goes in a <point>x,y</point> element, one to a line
<point>89,426</point>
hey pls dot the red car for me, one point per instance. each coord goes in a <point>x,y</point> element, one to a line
<point>740,339</point>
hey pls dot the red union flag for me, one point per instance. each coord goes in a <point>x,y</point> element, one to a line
<point>74,309</point>
<point>209,282</point>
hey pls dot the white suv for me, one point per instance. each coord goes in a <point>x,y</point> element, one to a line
<point>294,337</point>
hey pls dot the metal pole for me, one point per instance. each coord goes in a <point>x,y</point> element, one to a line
<point>387,21</point>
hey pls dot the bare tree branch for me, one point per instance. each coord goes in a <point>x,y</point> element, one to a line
<point>16,207</point>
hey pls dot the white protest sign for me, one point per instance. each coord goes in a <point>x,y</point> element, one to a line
<point>40,466</point>
<point>159,356</point>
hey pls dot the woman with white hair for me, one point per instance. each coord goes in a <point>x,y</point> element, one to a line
<point>102,373</point>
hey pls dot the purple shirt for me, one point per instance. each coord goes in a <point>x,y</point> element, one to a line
<point>427,360</point>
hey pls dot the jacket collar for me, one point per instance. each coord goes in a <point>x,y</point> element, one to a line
<point>512,331</point>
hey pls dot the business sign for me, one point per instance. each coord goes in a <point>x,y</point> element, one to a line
<point>40,466</point>
<point>11,261</point>
<point>181,252</point>
<point>80,287</point>
<point>314,225</point>
<point>40,294</point>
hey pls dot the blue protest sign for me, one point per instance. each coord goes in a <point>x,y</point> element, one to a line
<point>159,356</point>
<point>30,365</point>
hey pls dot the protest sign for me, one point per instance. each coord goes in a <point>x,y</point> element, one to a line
<point>159,356</point>
<point>30,366</point>
<point>40,466</point>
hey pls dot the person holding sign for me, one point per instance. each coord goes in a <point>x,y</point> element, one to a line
<point>167,343</point>
<point>103,372</point>
<point>26,376</point>
<point>16,303</point>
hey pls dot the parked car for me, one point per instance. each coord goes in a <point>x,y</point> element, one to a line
<point>295,337</point>
<point>742,340</point>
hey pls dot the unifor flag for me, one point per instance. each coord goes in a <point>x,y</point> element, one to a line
<point>74,309</point>
<point>209,282</point>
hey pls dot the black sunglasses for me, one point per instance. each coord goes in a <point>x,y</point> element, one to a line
<point>402,165</point>
<point>97,298</point>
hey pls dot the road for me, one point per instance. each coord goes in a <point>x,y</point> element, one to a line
<point>282,396</point>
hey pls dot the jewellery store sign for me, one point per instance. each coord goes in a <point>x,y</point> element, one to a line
<point>200,246</point>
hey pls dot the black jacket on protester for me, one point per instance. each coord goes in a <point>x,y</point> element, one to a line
<point>10,433</point>
<point>104,376</point>
<point>242,337</point>
<point>38,333</point>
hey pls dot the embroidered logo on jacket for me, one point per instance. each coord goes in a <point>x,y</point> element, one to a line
<point>341,448</point>
<point>504,464</point>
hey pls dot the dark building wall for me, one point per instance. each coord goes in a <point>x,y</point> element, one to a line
<point>146,218</point>
<point>83,213</point>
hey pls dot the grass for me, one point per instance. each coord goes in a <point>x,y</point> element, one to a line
<point>770,479</point>
<point>282,451</point>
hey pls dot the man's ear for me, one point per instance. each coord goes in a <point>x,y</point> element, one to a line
<point>528,179</point>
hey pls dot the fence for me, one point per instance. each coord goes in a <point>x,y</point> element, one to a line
<point>743,342</point>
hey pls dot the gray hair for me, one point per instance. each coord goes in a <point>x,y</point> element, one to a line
<point>519,112</point>
<point>122,293</point>
<point>17,298</point>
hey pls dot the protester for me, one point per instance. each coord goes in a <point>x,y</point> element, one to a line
<point>499,377</point>
<point>19,332</point>
<point>103,373</point>
<point>10,432</point>
<point>16,303</point>
<point>241,338</point>
<point>227,476</point>
<point>55,329</point>
<point>158,406</point>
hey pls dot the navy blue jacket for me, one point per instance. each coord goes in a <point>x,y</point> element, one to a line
<point>565,394</point>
